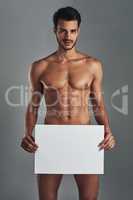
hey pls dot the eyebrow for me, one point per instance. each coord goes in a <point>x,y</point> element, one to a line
<point>66,30</point>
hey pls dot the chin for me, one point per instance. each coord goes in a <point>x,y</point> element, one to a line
<point>68,48</point>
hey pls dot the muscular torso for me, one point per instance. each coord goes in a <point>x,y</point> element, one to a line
<point>66,87</point>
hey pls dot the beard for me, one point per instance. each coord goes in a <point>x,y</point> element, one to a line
<point>66,48</point>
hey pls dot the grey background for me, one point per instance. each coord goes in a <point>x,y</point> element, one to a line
<point>26,35</point>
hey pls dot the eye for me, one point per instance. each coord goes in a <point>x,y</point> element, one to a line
<point>60,30</point>
<point>73,31</point>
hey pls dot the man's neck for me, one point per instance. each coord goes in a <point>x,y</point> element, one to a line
<point>65,55</point>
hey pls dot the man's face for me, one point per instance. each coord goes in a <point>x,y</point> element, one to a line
<point>67,33</point>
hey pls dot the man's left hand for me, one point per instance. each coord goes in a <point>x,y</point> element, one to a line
<point>108,143</point>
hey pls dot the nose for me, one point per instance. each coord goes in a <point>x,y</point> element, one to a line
<point>67,35</point>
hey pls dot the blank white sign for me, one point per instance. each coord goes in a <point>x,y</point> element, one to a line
<point>69,149</point>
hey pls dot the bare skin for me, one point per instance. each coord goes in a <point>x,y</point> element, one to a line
<point>67,79</point>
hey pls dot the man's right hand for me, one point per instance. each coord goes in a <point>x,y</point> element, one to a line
<point>28,143</point>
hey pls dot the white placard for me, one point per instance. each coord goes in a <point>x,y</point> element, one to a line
<point>69,149</point>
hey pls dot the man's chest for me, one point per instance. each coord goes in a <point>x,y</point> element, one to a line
<point>76,76</point>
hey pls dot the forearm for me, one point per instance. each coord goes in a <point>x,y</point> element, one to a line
<point>101,117</point>
<point>30,119</point>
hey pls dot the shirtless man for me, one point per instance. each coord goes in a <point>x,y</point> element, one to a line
<point>67,78</point>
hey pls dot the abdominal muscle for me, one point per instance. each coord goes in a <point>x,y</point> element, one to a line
<point>68,114</point>
<point>67,105</point>
<point>63,118</point>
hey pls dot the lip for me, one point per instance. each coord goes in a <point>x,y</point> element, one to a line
<point>67,42</point>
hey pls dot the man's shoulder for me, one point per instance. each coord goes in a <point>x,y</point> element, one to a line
<point>42,63</point>
<point>90,59</point>
<point>94,62</point>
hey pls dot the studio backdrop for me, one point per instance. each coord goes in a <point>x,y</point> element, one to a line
<point>27,35</point>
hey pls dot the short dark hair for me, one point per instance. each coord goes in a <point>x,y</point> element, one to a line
<point>66,13</point>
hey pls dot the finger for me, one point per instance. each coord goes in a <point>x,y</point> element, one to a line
<point>31,148</point>
<point>110,140</point>
<point>112,145</point>
<point>101,146</point>
<point>31,140</point>
<point>105,139</point>
<point>27,146</point>
<point>109,145</point>
<point>28,149</point>
<point>26,142</point>
<point>35,148</point>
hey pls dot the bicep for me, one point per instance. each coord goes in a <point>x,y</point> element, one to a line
<point>96,87</point>
<point>35,86</point>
